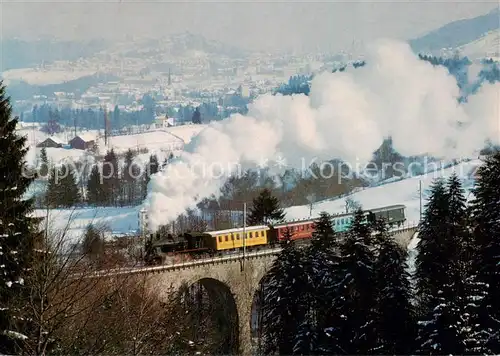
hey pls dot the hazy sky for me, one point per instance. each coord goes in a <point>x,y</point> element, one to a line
<point>302,25</point>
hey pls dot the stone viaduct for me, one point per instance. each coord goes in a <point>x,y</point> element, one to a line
<point>230,279</point>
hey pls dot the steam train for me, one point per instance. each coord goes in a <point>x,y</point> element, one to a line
<point>195,245</point>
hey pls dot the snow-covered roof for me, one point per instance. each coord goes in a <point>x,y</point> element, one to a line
<point>87,136</point>
<point>55,139</point>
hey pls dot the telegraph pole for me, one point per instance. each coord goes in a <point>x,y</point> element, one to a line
<point>244,232</point>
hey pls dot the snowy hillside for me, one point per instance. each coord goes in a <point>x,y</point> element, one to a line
<point>43,77</point>
<point>487,46</point>
<point>126,220</point>
<point>402,192</point>
<point>457,33</point>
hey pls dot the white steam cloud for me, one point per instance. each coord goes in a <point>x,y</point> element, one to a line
<point>347,115</point>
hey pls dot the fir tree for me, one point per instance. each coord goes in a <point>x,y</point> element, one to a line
<point>265,208</point>
<point>95,192</point>
<point>17,228</point>
<point>323,236</point>
<point>44,166</point>
<point>322,267</point>
<point>396,323</point>
<point>71,194</point>
<point>430,272</point>
<point>92,244</point>
<point>486,224</point>
<point>111,177</point>
<point>129,177</point>
<point>62,189</point>
<point>283,309</point>
<point>53,189</point>
<point>151,168</point>
<point>443,328</point>
<point>353,330</point>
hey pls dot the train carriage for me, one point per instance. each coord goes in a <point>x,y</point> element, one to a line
<point>300,230</point>
<point>235,238</point>
<point>201,244</point>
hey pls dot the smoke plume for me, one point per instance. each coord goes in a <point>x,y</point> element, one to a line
<point>347,116</point>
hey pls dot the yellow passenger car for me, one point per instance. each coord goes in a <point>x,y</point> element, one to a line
<point>234,239</point>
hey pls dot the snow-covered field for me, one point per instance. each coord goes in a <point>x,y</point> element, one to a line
<point>43,77</point>
<point>160,142</point>
<point>405,191</point>
<point>126,220</point>
<point>153,141</point>
<point>186,132</point>
<point>487,46</point>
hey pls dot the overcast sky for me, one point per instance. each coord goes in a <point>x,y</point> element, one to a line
<point>254,24</point>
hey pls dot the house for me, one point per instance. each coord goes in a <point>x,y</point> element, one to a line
<point>83,142</point>
<point>164,122</point>
<point>51,142</point>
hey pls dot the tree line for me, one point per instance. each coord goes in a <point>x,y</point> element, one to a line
<point>48,302</point>
<point>106,183</point>
<point>360,293</point>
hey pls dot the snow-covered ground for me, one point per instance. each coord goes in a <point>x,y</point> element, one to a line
<point>405,191</point>
<point>43,77</point>
<point>126,220</point>
<point>115,221</point>
<point>153,141</point>
<point>186,132</point>
<point>487,46</point>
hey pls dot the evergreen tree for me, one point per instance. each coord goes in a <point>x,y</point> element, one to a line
<point>431,262</point>
<point>151,168</point>
<point>265,208</point>
<point>396,323</point>
<point>283,309</point>
<point>44,167</point>
<point>92,244</point>
<point>95,191</point>
<point>63,190</point>
<point>129,178</point>
<point>322,267</point>
<point>323,236</point>
<point>111,178</point>
<point>446,325</point>
<point>53,189</point>
<point>486,224</point>
<point>17,228</point>
<point>196,118</point>
<point>353,329</point>
<point>71,196</point>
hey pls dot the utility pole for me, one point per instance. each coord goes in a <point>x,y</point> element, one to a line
<point>244,232</point>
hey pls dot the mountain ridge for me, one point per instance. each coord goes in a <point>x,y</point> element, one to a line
<point>457,33</point>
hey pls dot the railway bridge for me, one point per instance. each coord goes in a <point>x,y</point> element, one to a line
<point>232,281</point>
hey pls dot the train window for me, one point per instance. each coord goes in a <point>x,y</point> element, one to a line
<point>232,238</point>
<point>257,234</point>
<point>220,238</point>
<point>237,237</point>
<point>250,234</point>
<point>226,238</point>
<point>342,221</point>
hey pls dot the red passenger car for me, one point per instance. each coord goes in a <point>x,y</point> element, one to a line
<point>299,229</point>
